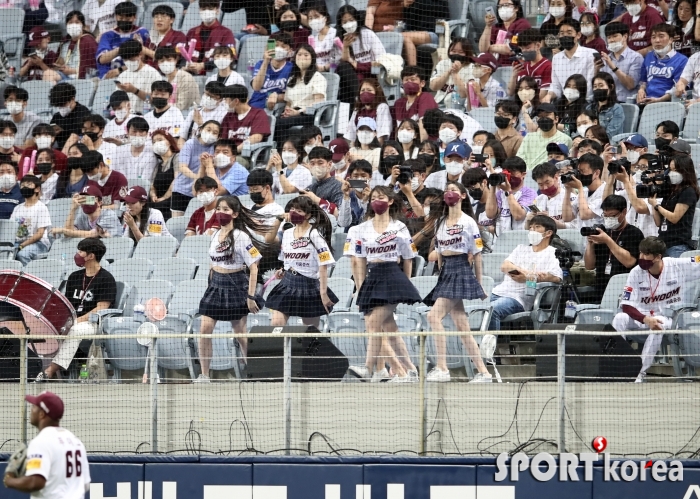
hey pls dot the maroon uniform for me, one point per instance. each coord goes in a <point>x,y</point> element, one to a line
<point>197,222</point>
<point>422,103</point>
<point>256,121</point>
<point>112,190</point>
<point>540,71</point>
<point>640,31</point>
<point>516,27</point>
<point>208,38</point>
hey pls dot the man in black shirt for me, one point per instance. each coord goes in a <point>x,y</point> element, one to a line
<point>615,250</point>
<point>71,114</point>
<point>88,290</point>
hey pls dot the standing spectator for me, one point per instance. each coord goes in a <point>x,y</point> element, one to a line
<point>453,73</point>
<point>92,221</point>
<point>370,103</point>
<point>662,67</point>
<point>44,170</point>
<point>416,102</point>
<point>185,89</point>
<point>16,99</point>
<point>533,63</point>
<point>486,89</point>
<point>623,63</point>
<point>120,104</point>
<point>259,184</point>
<point>456,155</point>
<point>382,14</point>
<point>224,62</point>
<point>222,166</point>
<point>420,17</point>
<point>270,75</point>
<point>590,33</point>
<point>510,20</point>
<point>165,116</point>
<point>77,52</point>
<point>687,40</point>
<point>32,219</point>
<point>611,116</point>
<point>287,172</point>
<point>534,147</point>
<point>71,114</point>
<point>100,17</point>
<point>573,59</point>
<point>641,19</point>
<point>136,159</point>
<point>10,195</point>
<point>243,122</point>
<point>167,159</point>
<point>551,197</point>
<point>136,81</point>
<point>213,108</point>
<point>110,182</point>
<point>506,121</point>
<point>163,35</point>
<point>110,41</point>
<point>209,35</point>
<point>288,21</point>
<point>322,37</point>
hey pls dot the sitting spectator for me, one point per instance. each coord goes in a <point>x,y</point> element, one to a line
<point>187,92</point>
<point>224,62</point>
<point>361,49</point>
<point>573,59</point>
<point>189,164</point>
<point>559,11</point>
<point>93,131</point>
<point>258,16</point>
<point>92,221</point>
<point>116,129</point>
<point>662,67</point>
<point>370,103</point>
<point>322,37</point>
<point>208,35</point>
<point>456,155</point>
<point>598,134</point>
<point>556,153</point>
<point>510,19</point>
<point>528,99</point>
<point>366,145</point>
<point>585,120</point>
<point>288,21</point>
<point>451,75</point>
<point>590,33</point>
<point>136,81</point>
<point>667,132</point>
<point>10,195</point>
<point>111,41</point>
<point>37,65</point>
<point>222,167</point>
<point>408,135</point>
<point>165,116</point>
<point>535,261</point>
<point>243,122</point>
<point>341,157</point>
<point>71,114</point>
<point>167,159</point>
<point>310,137</point>
<point>288,174</point>
<point>305,88</point>
<point>571,103</point>
<point>353,206</point>
<point>99,293</point>
<point>136,159</point>
<point>260,184</point>
<point>611,116</point>
<point>415,102</point>
<point>506,120</point>
<point>203,221</point>
<point>690,77</point>
<point>163,35</point>
<point>623,63</point>
<point>533,150</point>
<point>390,158</point>
<point>550,201</point>
<point>494,154</point>
<point>110,182</point>
<point>72,180</point>
<point>684,19</point>
<point>8,150</point>
<point>325,191</point>
<point>590,188</point>
<point>641,19</point>
<point>382,15</point>
<point>139,220</point>
<point>99,16</point>
<point>32,219</point>
<point>271,74</point>
<point>509,200</point>
<point>213,107</point>
<point>449,130</point>
<point>614,250</point>
<point>44,170</point>
<point>588,146</point>
<point>533,63</point>
<point>483,90</point>
<point>420,18</point>
<point>16,99</point>
<point>476,182</point>
<point>410,193</point>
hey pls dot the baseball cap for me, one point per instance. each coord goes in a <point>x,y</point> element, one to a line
<point>554,148</point>
<point>458,148</point>
<point>486,59</point>
<point>37,34</point>
<point>636,140</point>
<point>117,98</point>
<point>367,121</point>
<point>339,148</point>
<point>680,145</point>
<point>135,194</point>
<point>545,108</point>
<point>48,402</point>
<point>92,190</point>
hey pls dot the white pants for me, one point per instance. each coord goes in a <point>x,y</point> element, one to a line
<point>70,345</point>
<point>624,323</point>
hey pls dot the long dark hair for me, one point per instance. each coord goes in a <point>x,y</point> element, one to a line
<point>395,210</point>
<point>144,215</point>
<point>439,210</point>
<point>612,90</point>
<point>684,165</point>
<point>532,84</point>
<point>518,11</point>
<point>379,97</point>
<point>435,151</point>
<point>399,148</point>
<point>357,16</point>
<point>247,221</point>
<point>499,152</point>
<point>677,20</point>
<point>296,71</point>
<point>319,221</point>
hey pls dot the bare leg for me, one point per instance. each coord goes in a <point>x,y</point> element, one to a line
<point>205,350</point>
<point>279,319</point>
<point>396,342</point>
<point>375,322</point>
<point>51,75</point>
<point>239,327</point>
<point>410,40</point>
<point>440,309</point>
<point>459,317</point>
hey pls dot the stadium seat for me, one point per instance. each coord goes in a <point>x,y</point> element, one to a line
<point>673,111</point>
<point>123,354</point>
<point>11,265</point>
<point>326,112</point>
<point>686,345</point>
<point>196,248</point>
<point>155,248</point>
<point>424,285</point>
<point>338,244</point>
<point>50,271</point>
<point>343,289</point>
<point>143,291</point>
<point>131,270</point>
<point>259,319</point>
<point>38,95</point>
<point>147,19</point>
<point>631,117</point>
<point>418,266</point>
<point>484,115</point>
<point>609,303</point>
<point>573,237</point>
<point>358,4</point>
<point>8,235</point>
<point>245,200</point>
<point>283,199</point>
<point>393,44</point>
<point>508,241</point>
<point>235,21</point>
<point>118,248</point>
<point>13,45</point>
<point>250,50</point>
<point>477,16</point>
<point>64,248</point>
<point>58,211</point>
<point>11,23</point>
<point>84,91</point>
<point>354,348</point>
<point>503,75</point>
<point>192,206</point>
<point>175,269</point>
<point>343,268</point>
<point>186,298</point>
<point>458,22</point>
<point>177,226</point>
<point>140,182</point>
<point>691,128</point>
<point>544,309</point>
<point>173,353</point>
<point>105,88</point>
<point>261,150</point>
<point>225,350</point>
<point>333,8</point>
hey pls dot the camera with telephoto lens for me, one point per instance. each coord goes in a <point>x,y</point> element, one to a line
<point>568,162</point>
<point>405,174</point>
<point>496,179</point>
<point>569,176</point>
<point>592,231</point>
<point>566,257</point>
<point>650,190</point>
<point>615,167</point>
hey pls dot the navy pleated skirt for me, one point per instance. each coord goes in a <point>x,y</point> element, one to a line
<point>385,284</point>
<point>298,295</point>
<point>456,281</point>
<point>226,298</point>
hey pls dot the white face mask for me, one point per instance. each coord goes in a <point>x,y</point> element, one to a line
<point>365,137</point>
<point>221,160</point>
<point>206,197</point>
<point>526,94</point>
<point>289,158</point>
<point>534,237</point>
<point>207,102</point>
<point>663,51</point>
<point>571,94</point>
<point>426,210</point>
<point>350,27</point>
<point>207,16</point>
<point>557,12</point>
<point>675,177</point>
<point>161,147</point>
<point>7,181</point>
<point>137,140</point>
<point>208,137</point>
<point>447,135</point>
<point>64,111</point>
<point>308,149</point>
<point>415,184</point>
<point>43,142</point>
<point>222,62</point>
<point>318,24</point>
<point>121,114</point>
<point>167,67</point>
<point>95,177</point>
<point>280,54</point>
<point>406,136</point>
<point>582,129</point>
<point>611,223</point>
<point>339,165</point>
<point>132,65</point>
<point>14,107</point>
<point>454,168</point>
<point>7,142</point>
<point>633,156</point>
<point>634,9</point>
<point>319,172</point>
<point>74,29</point>
<point>587,31</point>
<point>615,46</point>
<point>506,13</point>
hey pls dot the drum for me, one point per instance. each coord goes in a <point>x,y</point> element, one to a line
<point>43,309</point>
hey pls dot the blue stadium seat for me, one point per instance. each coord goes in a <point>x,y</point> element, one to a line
<point>177,226</point>
<point>175,269</point>
<point>50,271</point>
<point>155,248</point>
<point>118,248</point>
<point>131,270</point>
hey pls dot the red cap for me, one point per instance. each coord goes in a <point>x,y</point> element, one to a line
<point>339,148</point>
<point>91,190</point>
<point>135,194</point>
<point>48,402</point>
<point>37,34</point>
<point>486,59</point>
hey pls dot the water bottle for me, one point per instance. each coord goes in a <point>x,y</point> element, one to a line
<point>570,310</point>
<point>11,75</point>
<point>454,98</point>
<point>63,259</point>
<point>106,111</point>
<point>139,312</point>
<point>146,106</point>
<point>500,94</point>
<point>84,374</point>
<point>523,128</point>
<point>531,282</point>
<point>251,66</point>
<point>540,15</point>
<point>246,148</point>
<point>670,16</point>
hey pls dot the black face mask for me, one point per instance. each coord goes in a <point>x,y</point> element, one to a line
<point>289,25</point>
<point>545,124</point>
<point>660,142</point>
<point>529,55</point>
<point>159,102</point>
<point>461,58</point>
<point>586,180</point>
<point>567,42</point>
<point>92,136</point>
<point>501,122</point>
<point>43,168</point>
<point>74,163</point>
<point>389,162</point>
<point>124,26</point>
<point>476,194</point>
<point>600,95</point>
<point>427,159</point>
<point>26,192</point>
<point>257,197</point>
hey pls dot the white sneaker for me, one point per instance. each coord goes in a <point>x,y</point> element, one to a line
<point>438,375</point>
<point>413,374</point>
<point>400,379</point>
<point>380,376</point>
<point>42,377</point>
<point>202,379</point>
<point>359,371</point>
<point>641,377</point>
<point>482,378</point>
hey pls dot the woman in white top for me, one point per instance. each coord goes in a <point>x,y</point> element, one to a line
<point>376,247</point>
<point>139,220</point>
<point>408,135</point>
<point>371,103</point>
<point>366,145</point>
<point>288,174</point>
<point>322,38</point>
<point>44,169</point>
<point>231,292</point>
<point>303,290</point>
<point>452,74</point>
<point>457,241</point>
<point>223,60</point>
<point>306,87</point>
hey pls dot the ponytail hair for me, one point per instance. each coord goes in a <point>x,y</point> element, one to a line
<point>319,220</point>
<point>395,209</point>
<point>247,221</point>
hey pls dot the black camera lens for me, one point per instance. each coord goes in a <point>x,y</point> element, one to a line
<point>496,179</point>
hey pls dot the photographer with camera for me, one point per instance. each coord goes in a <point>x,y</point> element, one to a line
<point>533,150</point>
<point>530,62</point>
<point>613,248</point>
<point>476,182</point>
<point>587,181</point>
<point>674,215</point>
<point>524,268</point>
<point>356,188</point>
<point>551,198</point>
<point>509,197</point>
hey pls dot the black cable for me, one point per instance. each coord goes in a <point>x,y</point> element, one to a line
<point>139,446</point>
<point>8,440</point>
<point>190,446</point>
<point>325,439</point>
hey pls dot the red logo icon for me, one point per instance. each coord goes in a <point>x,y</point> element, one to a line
<point>648,464</point>
<point>599,444</point>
